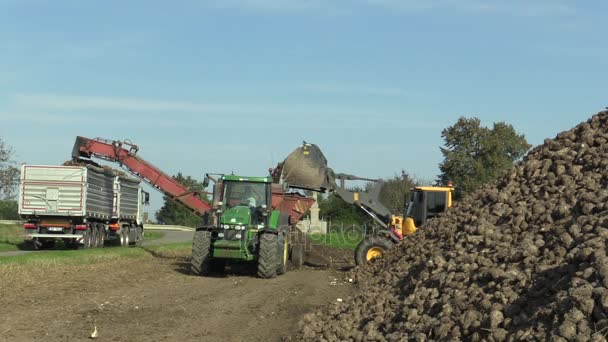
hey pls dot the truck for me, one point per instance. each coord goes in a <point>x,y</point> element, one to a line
<point>85,206</point>
<point>306,168</point>
<point>247,219</point>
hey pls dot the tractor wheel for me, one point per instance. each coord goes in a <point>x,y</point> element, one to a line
<point>372,247</point>
<point>297,255</point>
<point>283,254</point>
<point>201,258</point>
<point>268,256</point>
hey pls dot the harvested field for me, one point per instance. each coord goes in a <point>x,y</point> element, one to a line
<point>521,259</point>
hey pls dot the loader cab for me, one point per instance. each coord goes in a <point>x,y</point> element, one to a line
<point>428,202</point>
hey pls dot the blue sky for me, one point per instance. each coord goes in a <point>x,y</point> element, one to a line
<point>235,85</point>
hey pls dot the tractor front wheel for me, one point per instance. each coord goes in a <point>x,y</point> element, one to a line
<point>372,247</point>
<point>201,258</point>
<point>268,256</point>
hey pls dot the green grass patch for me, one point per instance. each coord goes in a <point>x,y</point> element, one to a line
<point>11,236</point>
<point>95,255</point>
<point>345,240</point>
<point>153,235</point>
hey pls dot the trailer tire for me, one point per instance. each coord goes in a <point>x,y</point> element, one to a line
<point>100,235</point>
<point>87,238</point>
<point>372,247</point>
<point>268,256</point>
<point>124,236</point>
<point>139,236</point>
<point>201,250</point>
<point>297,255</point>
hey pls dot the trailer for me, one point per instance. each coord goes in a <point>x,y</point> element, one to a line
<point>85,206</point>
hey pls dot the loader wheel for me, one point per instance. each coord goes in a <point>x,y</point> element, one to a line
<point>201,247</point>
<point>297,255</point>
<point>371,247</point>
<point>267,256</point>
<point>283,254</point>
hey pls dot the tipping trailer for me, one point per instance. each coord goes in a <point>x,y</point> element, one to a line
<point>84,206</point>
<point>232,228</point>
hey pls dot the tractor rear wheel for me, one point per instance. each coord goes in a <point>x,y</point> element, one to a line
<point>268,256</point>
<point>372,247</point>
<point>201,248</point>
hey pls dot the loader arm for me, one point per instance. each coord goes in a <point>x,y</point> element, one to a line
<point>306,168</point>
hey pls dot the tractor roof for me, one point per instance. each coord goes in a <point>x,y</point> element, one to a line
<point>236,178</point>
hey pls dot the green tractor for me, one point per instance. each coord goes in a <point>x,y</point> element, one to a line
<point>243,227</point>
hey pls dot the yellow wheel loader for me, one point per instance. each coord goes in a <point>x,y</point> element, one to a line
<point>306,168</point>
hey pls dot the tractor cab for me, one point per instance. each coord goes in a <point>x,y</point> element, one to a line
<point>245,202</point>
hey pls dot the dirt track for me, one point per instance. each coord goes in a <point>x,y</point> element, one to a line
<point>155,299</point>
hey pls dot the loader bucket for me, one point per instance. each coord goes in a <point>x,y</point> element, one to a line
<point>306,168</point>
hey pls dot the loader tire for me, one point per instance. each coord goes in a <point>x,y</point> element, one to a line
<point>372,247</point>
<point>268,256</point>
<point>297,255</point>
<point>201,256</point>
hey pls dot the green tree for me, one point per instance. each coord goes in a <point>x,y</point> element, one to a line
<point>475,155</point>
<point>8,210</point>
<point>334,209</point>
<point>176,214</point>
<point>395,192</point>
<point>9,173</point>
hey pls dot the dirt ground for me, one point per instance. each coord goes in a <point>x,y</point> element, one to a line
<point>156,299</point>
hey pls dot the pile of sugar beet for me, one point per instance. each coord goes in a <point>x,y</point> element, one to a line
<point>521,259</point>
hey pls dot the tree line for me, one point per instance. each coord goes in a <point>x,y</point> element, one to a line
<point>473,155</point>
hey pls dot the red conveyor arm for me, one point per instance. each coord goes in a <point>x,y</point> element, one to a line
<point>116,151</point>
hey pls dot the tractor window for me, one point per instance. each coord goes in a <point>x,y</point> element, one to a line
<point>436,203</point>
<point>245,194</point>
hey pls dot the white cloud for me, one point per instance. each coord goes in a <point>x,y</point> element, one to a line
<point>357,89</point>
<point>508,7</point>
<point>53,109</point>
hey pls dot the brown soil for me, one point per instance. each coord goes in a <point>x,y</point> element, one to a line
<point>156,299</point>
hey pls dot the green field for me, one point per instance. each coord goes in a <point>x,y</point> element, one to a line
<point>10,237</point>
<point>90,256</point>
<point>347,240</point>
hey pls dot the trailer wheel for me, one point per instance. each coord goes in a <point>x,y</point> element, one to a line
<point>87,238</point>
<point>297,255</point>
<point>372,247</point>
<point>267,256</point>
<point>124,236</point>
<point>201,248</point>
<point>100,234</point>
<point>139,236</point>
